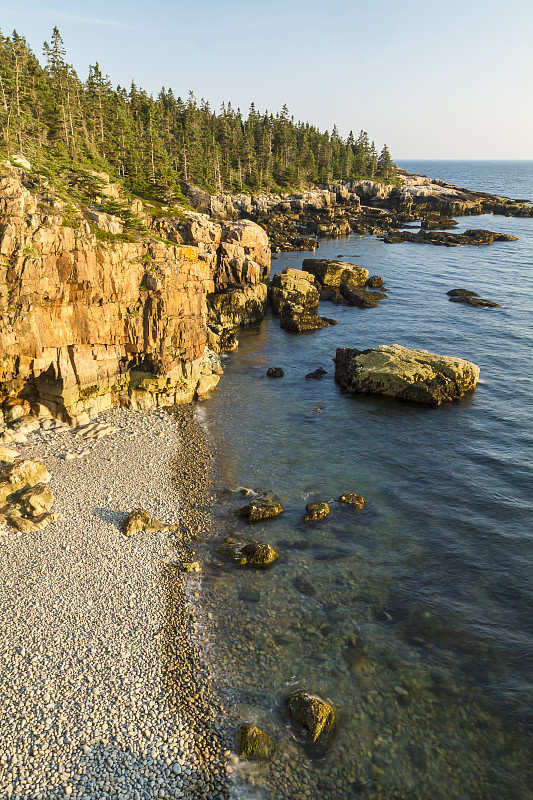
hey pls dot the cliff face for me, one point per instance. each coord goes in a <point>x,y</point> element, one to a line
<point>88,320</point>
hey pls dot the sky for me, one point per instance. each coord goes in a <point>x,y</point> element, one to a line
<point>429,79</point>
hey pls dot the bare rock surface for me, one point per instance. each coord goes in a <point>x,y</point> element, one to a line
<point>294,296</point>
<point>396,371</point>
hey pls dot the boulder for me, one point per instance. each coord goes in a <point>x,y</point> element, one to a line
<point>254,743</point>
<point>375,282</point>
<point>8,455</point>
<point>353,499</point>
<point>25,500</point>
<point>36,500</point>
<point>314,714</point>
<point>258,554</point>
<point>317,375</point>
<point>315,511</point>
<point>261,508</point>
<point>20,476</point>
<point>396,371</point>
<point>470,299</point>
<point>140,520</point>
<point>275,372</point>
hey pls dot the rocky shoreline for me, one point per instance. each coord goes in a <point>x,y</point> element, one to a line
<point>106,685</point>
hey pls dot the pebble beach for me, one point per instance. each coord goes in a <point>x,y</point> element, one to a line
<point>105,686</point>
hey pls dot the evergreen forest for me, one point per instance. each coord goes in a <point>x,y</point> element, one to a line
<point>53,117</point>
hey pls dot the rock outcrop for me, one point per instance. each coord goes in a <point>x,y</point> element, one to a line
<point>344,283</point>
<point>295,298</point>
<point>470,237</point>
<point>470,299</point>
<point>298,221</point>
<point>92,317</point>
<point>406,374</point>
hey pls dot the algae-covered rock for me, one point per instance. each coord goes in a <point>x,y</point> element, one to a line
<point>262,508</point>
<point>258,554</point>
<point>140,520</point>
<point>275,372</point>
<point>352,499</point>
<point>312,713</point>
<point>315,511</point>
<point>254,743</point>
<point>396,371</point>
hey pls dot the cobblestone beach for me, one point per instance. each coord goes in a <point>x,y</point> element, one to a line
<point>104,687</point>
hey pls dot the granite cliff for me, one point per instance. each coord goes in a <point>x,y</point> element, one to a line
<point>91,316</point>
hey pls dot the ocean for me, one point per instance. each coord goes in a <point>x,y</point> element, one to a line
<point>414,615</point>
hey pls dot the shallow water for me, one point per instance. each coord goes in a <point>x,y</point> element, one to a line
<point>413,615</point>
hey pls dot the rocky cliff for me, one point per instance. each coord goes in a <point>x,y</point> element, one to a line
<point>91,317</point>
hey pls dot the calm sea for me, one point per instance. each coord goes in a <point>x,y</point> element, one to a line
<point>414,616</point>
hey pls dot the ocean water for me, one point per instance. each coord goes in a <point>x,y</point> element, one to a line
<point>413,616</point>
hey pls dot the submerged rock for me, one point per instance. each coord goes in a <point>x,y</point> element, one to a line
<point>314,714</point>
<point>317,375</point>
<point>470,298</point>
<point>396,371</point>
<point>258,554</point>
<point>275,372</point>
<point>262,508</point>
<point>254,743</point>
<point>315,511</point>
<point>140,520</point>
<point>352,499</point>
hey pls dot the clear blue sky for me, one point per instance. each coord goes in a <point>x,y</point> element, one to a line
<point>431,79</point>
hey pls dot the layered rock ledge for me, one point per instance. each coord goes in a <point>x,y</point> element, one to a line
<point>396,371</point>
<point>91,317</point>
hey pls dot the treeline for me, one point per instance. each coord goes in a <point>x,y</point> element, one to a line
<point>47,112</point>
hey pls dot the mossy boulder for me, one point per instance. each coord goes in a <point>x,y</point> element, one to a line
<point>354,500</point>
<point>253,743</point>
<point>262,508</point>
<point>314,714</point>
<point>315,511</point>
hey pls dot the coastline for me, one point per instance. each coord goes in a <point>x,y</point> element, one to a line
<point>106,690</point>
